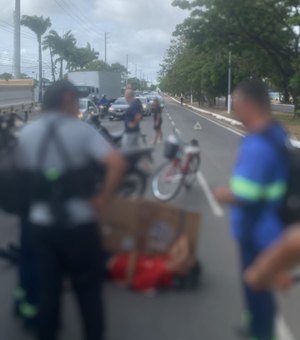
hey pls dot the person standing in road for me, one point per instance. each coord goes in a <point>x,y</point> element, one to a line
<point>256,192</point>
<point>133,116</point>
<point>157,117</point>
<point>63,217</point>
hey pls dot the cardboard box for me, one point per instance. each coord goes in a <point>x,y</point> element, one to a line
<point>146,226</point>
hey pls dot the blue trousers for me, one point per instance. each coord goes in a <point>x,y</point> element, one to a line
<point>261,305</point>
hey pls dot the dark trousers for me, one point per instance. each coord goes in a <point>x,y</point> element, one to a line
<point>261,305</point>
<point>75,253</point>
<point>27,274</point>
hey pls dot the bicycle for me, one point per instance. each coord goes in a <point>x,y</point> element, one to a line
<point>180,170</point>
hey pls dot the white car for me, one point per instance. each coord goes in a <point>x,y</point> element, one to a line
<point>86,108</point>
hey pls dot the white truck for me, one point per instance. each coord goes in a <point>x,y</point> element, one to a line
<point>94,83</point>
<point>16,96</point>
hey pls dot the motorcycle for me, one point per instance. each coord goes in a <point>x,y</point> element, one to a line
<point>104,110</point>
<point>139,160</point>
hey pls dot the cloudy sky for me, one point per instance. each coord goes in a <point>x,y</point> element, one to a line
<point>140,28</point>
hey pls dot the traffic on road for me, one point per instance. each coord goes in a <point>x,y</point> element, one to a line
<point>149,189</point>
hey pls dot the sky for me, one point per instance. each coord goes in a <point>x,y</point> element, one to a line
<point>141,29</point>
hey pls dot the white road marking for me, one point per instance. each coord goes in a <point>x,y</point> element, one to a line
<point>198,126</point>
<point>282,330</point>
<point>178,132</point>
<point>219,124</point>
<point>213,121</point>
<point>215,206</point>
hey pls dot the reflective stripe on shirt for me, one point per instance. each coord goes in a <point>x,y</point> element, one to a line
<point>252,191</point>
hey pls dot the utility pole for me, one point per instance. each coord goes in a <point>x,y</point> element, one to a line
<point>17,39</point>
<point>229,82</point>
<point>105,47</point>
<point>127,63</point>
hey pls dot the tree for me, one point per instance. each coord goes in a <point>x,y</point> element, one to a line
<point>80,58</point>
<point>117,67</point>
<point>6,76</point>
<point>262,34</point>
<point>38,25</point>
<point>49,43</point>
<point>97,65</point>
<point>135,83</point>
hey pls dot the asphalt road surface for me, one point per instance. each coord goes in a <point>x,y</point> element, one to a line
<point>211,313</point>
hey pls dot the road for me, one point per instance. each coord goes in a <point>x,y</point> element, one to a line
<point>212,312</point>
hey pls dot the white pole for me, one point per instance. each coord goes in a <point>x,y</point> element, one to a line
<point>127,62</point>
<point>229,84</point>
<point>192,100</point>
<point>105,47</point>
<point>17,39</point>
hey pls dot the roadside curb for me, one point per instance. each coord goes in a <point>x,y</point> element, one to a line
<point>225,120</point>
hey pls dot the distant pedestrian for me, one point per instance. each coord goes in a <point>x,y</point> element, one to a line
<point>181,100</point>
<point>133,116</point>
<point>157,118</point>
<point>256,193</point>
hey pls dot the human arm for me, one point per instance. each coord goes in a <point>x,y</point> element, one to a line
<point>134,123</point>
<point>249,181</point>
<point>271,267</point>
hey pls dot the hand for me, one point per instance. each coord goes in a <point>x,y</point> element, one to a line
<point>131,125</point>
<point>100,202</point>
<point>283,281</point>
<point>223,195</point>
<point>253,279</point>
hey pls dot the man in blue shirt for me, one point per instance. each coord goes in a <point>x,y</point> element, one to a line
<point>255,194</point>
<point>132,119</point>
<point>103,101</point>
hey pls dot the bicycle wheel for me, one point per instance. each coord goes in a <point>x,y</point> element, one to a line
<point>133,185</point>
<point>191,175</point>
<point>167,180</point>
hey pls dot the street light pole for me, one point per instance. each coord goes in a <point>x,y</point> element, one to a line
<point>105,47</point>
<point>17,39</point>
<point>229,82</point>
<point>127,63</point>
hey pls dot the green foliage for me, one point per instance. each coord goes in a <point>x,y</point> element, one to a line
<point>138,84</point>
<point>38,25</point>
<point>263,36</point>
<point>6,76</point>
<point>97,65</point>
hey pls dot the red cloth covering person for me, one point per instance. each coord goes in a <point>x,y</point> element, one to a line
<point>150,272</point>
<point>144,273</point>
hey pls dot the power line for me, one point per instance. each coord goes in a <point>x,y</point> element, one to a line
<point>10,28</point>
<point>70,12</point>
<point>80,14</point>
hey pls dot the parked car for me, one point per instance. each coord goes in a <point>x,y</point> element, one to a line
<point>87,107</point>
<point>151,98</point>
<point>118,109</point>
<point>146,105</point>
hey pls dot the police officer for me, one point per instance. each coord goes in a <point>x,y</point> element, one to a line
<point>65,233</point>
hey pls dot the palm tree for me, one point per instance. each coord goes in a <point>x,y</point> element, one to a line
<point>81,57</point>
<point>61,46</point>
<point>38,25</point>
<point>69,47</point>
<point>50,43</point>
